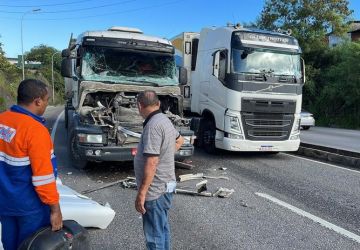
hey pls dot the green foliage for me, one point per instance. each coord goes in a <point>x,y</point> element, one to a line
<point>11,76</point>
<point>310,20</point>
<point>332,88</point>
<point>338,102</point>
<point>45,54</point>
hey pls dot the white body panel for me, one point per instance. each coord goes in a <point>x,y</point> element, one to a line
<point>183,44</point>
<point>82,209</point>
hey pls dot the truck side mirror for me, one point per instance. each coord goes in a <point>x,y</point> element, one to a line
<point>66,67</point>
<point>182,76</point>
<point>65,53</point>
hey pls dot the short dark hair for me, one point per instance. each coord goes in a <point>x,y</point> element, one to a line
<point>29,90</point>
<point>147,98</point>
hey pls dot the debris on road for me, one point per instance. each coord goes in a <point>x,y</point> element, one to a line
<point>222,168</point>
<point>84,210</point>
<point>201,186</point>
<point>184,191</point>
<point>108,185</point>
<point>223,192</point>
<point>183,165</point>
<point>129,183</point>
<point>187,177</point>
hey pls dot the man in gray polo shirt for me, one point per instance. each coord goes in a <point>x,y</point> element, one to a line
<point>155,170</point>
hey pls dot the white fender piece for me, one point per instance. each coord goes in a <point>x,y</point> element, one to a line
<point>82,209</point>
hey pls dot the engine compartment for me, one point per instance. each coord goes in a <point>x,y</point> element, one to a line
<point>117,114</point>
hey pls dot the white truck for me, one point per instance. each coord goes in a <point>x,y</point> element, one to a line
<point>245,87</point>
<point>104,71</point>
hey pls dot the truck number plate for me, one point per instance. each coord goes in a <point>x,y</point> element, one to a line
<point>266,148</point>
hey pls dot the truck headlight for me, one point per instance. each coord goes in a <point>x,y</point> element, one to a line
<point>232,124</point>
<point>91,138</point>
<point>297,126</point>
<point>189,140</point>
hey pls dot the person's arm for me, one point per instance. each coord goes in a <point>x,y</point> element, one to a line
<point>149,173</point>
<point>179,142</point>
<point>43,176</point>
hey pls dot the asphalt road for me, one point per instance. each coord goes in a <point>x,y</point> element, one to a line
<point>280,202</point>
<point>344,139</point>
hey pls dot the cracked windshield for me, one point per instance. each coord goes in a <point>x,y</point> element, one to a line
<point>119,66</point>
<point>268,62</point>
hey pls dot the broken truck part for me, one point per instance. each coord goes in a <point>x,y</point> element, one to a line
<point>199,176</point>
<point>82,209</point>
<point>103,73</point>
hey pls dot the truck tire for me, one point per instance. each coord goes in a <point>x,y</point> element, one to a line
<point>208,136</point>
<point>76,160</point>
<point>305,127</point>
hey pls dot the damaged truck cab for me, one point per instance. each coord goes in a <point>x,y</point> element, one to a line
<point>104,71</point>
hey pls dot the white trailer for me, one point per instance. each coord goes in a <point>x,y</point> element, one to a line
<point>245,86</point>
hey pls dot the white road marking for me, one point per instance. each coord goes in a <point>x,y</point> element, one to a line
<point>53,131</point>
<point>312,217</point>
<point>331,165</point>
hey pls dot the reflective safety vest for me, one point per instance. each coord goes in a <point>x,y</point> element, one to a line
<point>27,164</point>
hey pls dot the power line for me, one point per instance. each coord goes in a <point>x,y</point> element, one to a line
<point>43,5</point>
<point>100,15</point>
<point>72,10</point>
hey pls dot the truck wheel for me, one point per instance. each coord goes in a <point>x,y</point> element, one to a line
<point>75,158</point>
<point>208,137</point>
<point>306,127</point>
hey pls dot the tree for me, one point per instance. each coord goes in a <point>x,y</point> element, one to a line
<point>43,54</point>
<point>338,102</point>
<point>309,20</point>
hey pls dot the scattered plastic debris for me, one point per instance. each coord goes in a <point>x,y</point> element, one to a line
<point>183,165</point>
<point>186,177</point>
<point>223,192</point>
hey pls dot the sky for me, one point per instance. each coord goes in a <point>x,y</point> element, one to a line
<point>53,24</point>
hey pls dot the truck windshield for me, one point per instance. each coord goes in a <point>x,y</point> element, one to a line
<point>108,64</point>
<point>249,60</point>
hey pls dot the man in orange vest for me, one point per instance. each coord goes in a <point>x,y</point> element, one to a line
<point>28,195</point>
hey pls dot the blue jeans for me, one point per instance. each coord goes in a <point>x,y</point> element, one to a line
<point>15,229</point>
<point>156,223</point>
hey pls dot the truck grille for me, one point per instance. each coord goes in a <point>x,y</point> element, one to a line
<point>265,120</point>
<point>263,127</point>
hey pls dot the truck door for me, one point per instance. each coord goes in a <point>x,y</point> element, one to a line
<point>217,92</point>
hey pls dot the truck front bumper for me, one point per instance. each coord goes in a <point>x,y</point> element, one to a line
<point>261,146</point>
<point>91,153</point>
<point>119,154</point>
